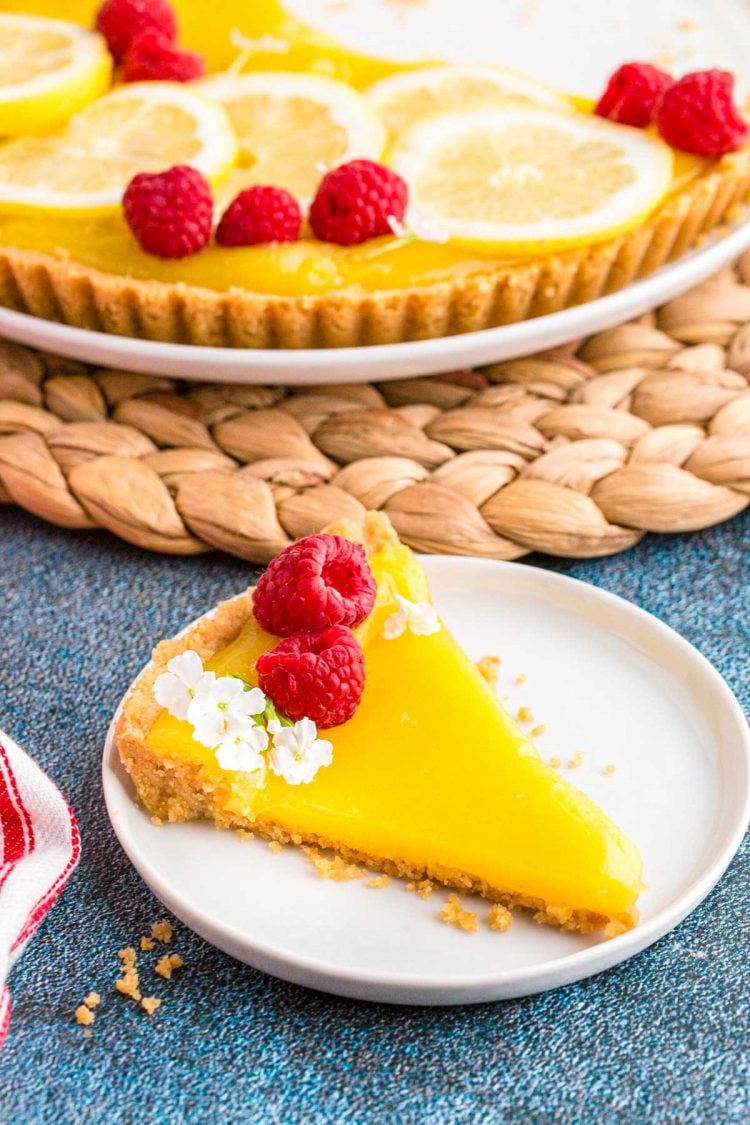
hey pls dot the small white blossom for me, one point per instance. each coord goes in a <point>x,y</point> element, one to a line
<point>244,754</point>
<point>174,690</point>
<point>419,618</point>
<point>225,711</point>
<point>297,753</point>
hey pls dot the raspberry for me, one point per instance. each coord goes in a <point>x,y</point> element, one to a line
<point>152,57</point>
<point>633,93</point>
<point>357,201</point>
<point>260,214</point>
<point>698,114</point>
<point>169,212</point>
<point>319,581</point>
<point>121,22</point>
<point>318,675</point>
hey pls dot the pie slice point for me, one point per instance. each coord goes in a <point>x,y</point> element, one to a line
<point>431,778</point>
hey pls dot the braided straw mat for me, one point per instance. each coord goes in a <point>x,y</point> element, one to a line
<point>577,451</point>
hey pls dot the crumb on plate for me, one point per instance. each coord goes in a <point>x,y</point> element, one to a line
<point>453,914</point>
<point>500,918</point>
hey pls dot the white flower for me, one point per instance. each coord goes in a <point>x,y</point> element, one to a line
<point>297,753</point>
<point>419,618</point>
<point>174,690</point>
<point>225,711</point>
<point>244,754</point>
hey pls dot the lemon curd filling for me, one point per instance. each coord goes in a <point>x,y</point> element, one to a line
<point>430,773</point>
<point>307,267</point>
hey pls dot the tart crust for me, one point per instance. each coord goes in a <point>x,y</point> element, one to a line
<point>63,290</point>
<point>179,791</point>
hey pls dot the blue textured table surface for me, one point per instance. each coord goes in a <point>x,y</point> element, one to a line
<point>662,1038</point>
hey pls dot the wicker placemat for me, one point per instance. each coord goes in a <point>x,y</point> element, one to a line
<point>578,451</point>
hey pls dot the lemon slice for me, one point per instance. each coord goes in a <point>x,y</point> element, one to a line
<point>291,128</point>
<point>49,69</point>
<point>406,98</point>
<point>144,127</point>
<point>526,180</point>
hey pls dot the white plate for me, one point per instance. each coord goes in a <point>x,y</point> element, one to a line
<point>383,361</point>
<point>606,678</point>
<point>522,33</point>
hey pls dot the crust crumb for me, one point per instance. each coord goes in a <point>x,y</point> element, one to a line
<point>336,869</point>
<point>83,1015</point>
<point>489,669</point>
<point>421,887</point>
<point>453,914</point>
<point>525,715</point>
<point>127,984</point>
<point>378,881</point>
<point>166,965</point>
<point>576,761</point>
<point>244,834</point>
<point>147,944</point>
<point>150,1004</point>
<point>614,928</point>
<point>609,769</point>
<point>275,846</point>
<point>92,1000</point>
<point>520,679</point>
<point>157,821</point>
<point>500,918</point>
<point>162,931</point>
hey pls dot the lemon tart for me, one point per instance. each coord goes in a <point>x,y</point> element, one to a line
<point>429,778</point>
<point>625,205</point>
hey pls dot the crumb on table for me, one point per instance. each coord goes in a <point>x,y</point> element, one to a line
<point>150,1004</point>
<point>162,931</point>
<point>489,669</point>
<point>127,984</point>
<point>147,944</point>
<point>92,1000</point>
<point>500,918</point>
<point>83,1015</point>
<point>453,914</point>
<point>166,965</point>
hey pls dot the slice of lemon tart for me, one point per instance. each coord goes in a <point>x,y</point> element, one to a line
<point>424,774</point>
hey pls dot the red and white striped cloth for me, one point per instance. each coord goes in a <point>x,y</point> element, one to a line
<point>39,848</point>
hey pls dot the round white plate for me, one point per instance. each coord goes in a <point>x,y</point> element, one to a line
<point>607,679</point>
<point>383,361</point>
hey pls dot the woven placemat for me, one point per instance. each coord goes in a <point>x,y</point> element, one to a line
<point>576,452</point>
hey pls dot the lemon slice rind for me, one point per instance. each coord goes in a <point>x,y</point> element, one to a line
<point>419,149</point>
<point>390,95</point>
<point>215,155</point>
<point>48,98</point>
<point>342,105</point>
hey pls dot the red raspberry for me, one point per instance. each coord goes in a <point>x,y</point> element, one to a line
<point>698,114</point>
<point>152,57</point>
<point>356,201</point>
<point>633,93</point>
<point>319,581</point>
<point>121,22</point>
<point>315,675</point>
<point>169,212</point>
<point>260,214</point>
